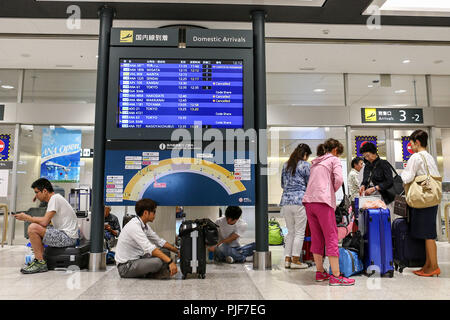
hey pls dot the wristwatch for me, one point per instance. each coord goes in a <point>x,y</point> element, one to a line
<point>171,260</point>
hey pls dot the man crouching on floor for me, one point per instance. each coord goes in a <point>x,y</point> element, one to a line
<point>140,252</point>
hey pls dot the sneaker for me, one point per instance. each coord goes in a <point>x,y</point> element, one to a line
<point>341,281</point>
<point>229,259</point>
<point>299,265</point>
<point>322,276</point>
<point>35,267</point>
<point>287,264</point>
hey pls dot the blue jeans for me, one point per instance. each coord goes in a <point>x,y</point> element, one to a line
<point>237,253</point>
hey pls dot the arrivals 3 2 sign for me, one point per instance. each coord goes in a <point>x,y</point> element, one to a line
<point>391,115</point>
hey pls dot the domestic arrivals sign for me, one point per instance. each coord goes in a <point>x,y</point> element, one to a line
<point>391,115</point>
<point>147,37</point>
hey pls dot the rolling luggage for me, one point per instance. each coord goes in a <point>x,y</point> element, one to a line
<point>307,256</point>
<point>378,254</point>
<point>68,256</point>
<point>408,252</point>
<point>192,249</point>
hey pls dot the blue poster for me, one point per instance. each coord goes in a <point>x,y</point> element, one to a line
<point>5,146</point>
<point>60,156</point>
<point>362,140</point>
<point>407,151</point>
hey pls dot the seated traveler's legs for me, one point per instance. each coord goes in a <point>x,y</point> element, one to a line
<point>224,252</point>
<point>248,249</point>
<point>58,239</point>
<point>36,233</point>
<point>141,268</point>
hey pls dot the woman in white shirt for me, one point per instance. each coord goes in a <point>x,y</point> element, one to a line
<point>423,221</point>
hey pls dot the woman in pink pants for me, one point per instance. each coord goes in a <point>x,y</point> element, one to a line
<point>320,203</point>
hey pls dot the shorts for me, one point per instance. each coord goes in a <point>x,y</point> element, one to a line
<point>58,238</point>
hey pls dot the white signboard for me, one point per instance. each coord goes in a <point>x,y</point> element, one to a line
<point>4,175</point>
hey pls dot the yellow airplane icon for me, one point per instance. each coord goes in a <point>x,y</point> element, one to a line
<point>370,115</point>
<point>126,35</point>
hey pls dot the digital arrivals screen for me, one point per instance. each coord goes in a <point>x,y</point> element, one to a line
<point>176,93</point>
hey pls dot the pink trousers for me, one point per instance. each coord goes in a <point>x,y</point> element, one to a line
<point>324,233</point>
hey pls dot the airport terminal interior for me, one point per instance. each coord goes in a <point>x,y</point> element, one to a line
<point>297,71</point>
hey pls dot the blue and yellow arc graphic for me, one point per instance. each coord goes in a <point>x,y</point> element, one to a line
<point>137,186</point>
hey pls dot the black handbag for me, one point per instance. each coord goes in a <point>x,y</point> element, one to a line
<point>397,187</point>
<point>354,242</point>
<point>342,210</point>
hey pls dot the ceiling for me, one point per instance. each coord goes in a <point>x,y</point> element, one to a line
<point>47,43</point>
<point>331,12</point>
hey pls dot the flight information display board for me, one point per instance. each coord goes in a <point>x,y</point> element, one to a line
<point>179,93</point>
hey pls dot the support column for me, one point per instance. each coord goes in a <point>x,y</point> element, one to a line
<point>13,201</point>
<point>97,258</point>
<point>262,259</point>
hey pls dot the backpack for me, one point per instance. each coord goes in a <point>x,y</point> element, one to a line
<point>276,237</point>
<point>342,210</point>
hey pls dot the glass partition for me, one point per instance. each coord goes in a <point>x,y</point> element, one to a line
<point>288,139</point>
<point>29,167</point>
<point>60,86</point>
<point>443,159</point>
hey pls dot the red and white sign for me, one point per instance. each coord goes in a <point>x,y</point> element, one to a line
<point>2,145</point>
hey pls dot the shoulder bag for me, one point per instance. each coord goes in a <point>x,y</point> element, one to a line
<point>424,191</point>
<point>397,187</point>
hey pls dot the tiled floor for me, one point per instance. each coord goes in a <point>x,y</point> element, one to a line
<point>223,282</point>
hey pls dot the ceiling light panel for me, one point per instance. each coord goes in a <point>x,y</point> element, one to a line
<point>425,8</point>
<point>299,3</point>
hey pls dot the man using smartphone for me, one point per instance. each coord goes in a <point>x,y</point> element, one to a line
<point>62,233</point>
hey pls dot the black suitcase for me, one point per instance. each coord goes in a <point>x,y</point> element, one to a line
<point>192,250</point>
<point>68,256</point>
<point>408,252</point>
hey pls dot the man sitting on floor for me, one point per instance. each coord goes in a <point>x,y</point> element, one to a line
<point>62,233</point>
<point>112,227</point>
<point>231,228</point>
<point>138,251</point>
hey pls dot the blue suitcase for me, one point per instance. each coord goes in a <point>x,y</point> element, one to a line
<point>378,253</point>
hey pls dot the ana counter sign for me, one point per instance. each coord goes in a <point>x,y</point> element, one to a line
<point>391,115</point>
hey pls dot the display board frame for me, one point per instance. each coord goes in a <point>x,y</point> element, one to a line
<point>113,132</point>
